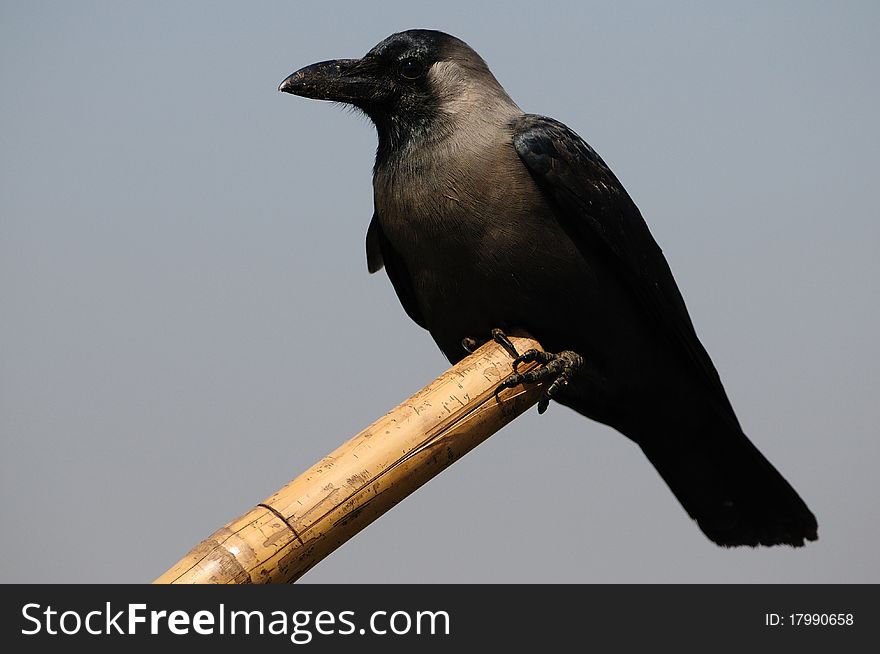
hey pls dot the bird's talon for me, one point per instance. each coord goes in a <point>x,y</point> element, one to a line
<point>527,357</point>
<point>543,404</point>
<point>511,382</point>
<point>501,338</point>
<point>469,344</point>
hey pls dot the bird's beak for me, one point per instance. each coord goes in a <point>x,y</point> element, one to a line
<point>340,80</point>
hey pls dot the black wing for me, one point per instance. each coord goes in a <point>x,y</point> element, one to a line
<point>380,253</point>
<point>592,203</point>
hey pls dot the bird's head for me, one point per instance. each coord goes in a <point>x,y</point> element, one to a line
<point>410,84</point>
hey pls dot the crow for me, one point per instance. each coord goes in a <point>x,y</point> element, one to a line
<point>490,221</point>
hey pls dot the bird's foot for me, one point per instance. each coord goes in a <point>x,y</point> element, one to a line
<point>561,367</point>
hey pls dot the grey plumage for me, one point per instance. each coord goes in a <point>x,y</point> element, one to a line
<point>486,217</point>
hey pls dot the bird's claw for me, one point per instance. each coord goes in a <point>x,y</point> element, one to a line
<point>501,338</point>
<point>561,367</point>
<point>527,357</point>
<point>469,344</point>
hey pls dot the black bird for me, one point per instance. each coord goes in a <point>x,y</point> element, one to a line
<point>487,218</point>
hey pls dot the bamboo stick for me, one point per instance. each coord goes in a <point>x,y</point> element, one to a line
<point>284,536</point>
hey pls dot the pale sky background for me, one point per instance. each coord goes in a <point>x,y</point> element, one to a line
<point>185,298</point>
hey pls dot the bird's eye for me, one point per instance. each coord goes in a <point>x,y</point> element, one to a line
<point>411,68</point>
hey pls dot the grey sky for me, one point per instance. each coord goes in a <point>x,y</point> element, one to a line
<point>187,321</point>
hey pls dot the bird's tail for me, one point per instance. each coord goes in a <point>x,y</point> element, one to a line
<point>724,483</point>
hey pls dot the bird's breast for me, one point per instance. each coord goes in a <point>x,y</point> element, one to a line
<point>480,244</point>
<point>454,198</point>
